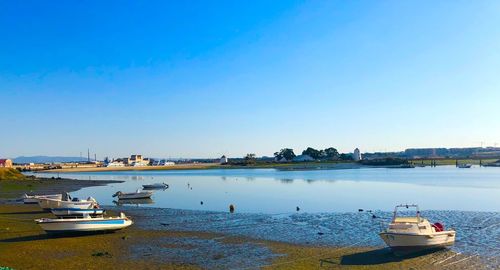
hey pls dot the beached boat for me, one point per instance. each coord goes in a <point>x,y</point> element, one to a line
<point>464,166</point>
<point>67,202</point>
<point>76,212</point>
<point>33,199</point>
<point>133,195</point>
<point>85,224</point>
<point>413,233</point>
<point>156,186</point>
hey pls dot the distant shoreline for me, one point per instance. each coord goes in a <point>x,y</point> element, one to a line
<point>207,166</point>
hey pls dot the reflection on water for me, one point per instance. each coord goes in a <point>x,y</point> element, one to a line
<point>271,191</point>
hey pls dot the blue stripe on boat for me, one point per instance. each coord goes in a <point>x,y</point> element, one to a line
<point>100,222</point>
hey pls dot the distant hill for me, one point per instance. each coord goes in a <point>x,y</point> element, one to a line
<point>46,159</point>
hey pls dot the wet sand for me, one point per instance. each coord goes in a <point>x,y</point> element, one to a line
<point>23,245</point>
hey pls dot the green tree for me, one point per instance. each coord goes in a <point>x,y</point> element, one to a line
<point>316,154</point>
<point>250,158</point>
<point>331,153</point>
<point>286,153</point>
<point>345,156</point>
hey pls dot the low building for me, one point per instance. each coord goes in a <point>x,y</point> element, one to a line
<point>302,158</point>
<point>138,161</point>
<point>5,163</point>
<point>223,160</point>
<point>356,155</point>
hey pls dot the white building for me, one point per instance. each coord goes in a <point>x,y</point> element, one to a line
<point>223,160</point>
<point>356,155</point>
<point>116,164</point>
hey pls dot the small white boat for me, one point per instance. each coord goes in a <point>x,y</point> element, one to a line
<point>47,204</point>
<point>85,224</point>
<point>76,212</point>
<point>33,199</point>
<point>415,233</point>
<point>156,186</point>
<point>464,166</point>
<point>67,202</point>
<point>133,195</point>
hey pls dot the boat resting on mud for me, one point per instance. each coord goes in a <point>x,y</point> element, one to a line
<point>87,224</point>
<point>414,233</point>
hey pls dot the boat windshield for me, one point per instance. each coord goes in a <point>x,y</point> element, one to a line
<point>406,213</point>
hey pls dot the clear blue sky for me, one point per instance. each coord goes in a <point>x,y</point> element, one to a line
<point>206,78</point>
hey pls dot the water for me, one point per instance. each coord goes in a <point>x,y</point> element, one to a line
<point>266,200</point>
<point>272,192</point>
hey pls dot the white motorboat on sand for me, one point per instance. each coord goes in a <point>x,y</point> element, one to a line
<point>84,225</point>
<point>133,195</point>
<point>67,202</point>
<point>414,233</point>
<point>33,199</point>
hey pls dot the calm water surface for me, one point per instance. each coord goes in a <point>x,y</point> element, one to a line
<point>272,191</point>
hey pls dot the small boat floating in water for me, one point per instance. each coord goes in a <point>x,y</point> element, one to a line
<point>76,212</point>
<point>133,195</point>
<point>156,186</point>
<point>414,233</point>
<point>464,166</point>
<point>85,224</point>
<point>33,199</point>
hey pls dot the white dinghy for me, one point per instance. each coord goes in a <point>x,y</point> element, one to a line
<point>67,202</point>
<point>85,224</point>
<point>33,199</point>
<point>133,195</point>
<point>415,233</point>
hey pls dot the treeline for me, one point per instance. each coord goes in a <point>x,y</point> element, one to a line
<point>325,154</point>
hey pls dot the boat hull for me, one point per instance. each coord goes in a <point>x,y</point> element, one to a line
<point>47,204</point>
<point>128,196</point>
<point>76,212</point>
<point>415,242</point>
<point>83,225</point>
<point>27,199</point>
<point>155,186</point>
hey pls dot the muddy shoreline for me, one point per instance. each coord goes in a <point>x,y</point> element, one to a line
<point>135,248</point>
<point>181,239</point>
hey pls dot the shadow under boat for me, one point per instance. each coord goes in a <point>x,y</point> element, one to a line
<point>133,201</point>
<point>384,255</point>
